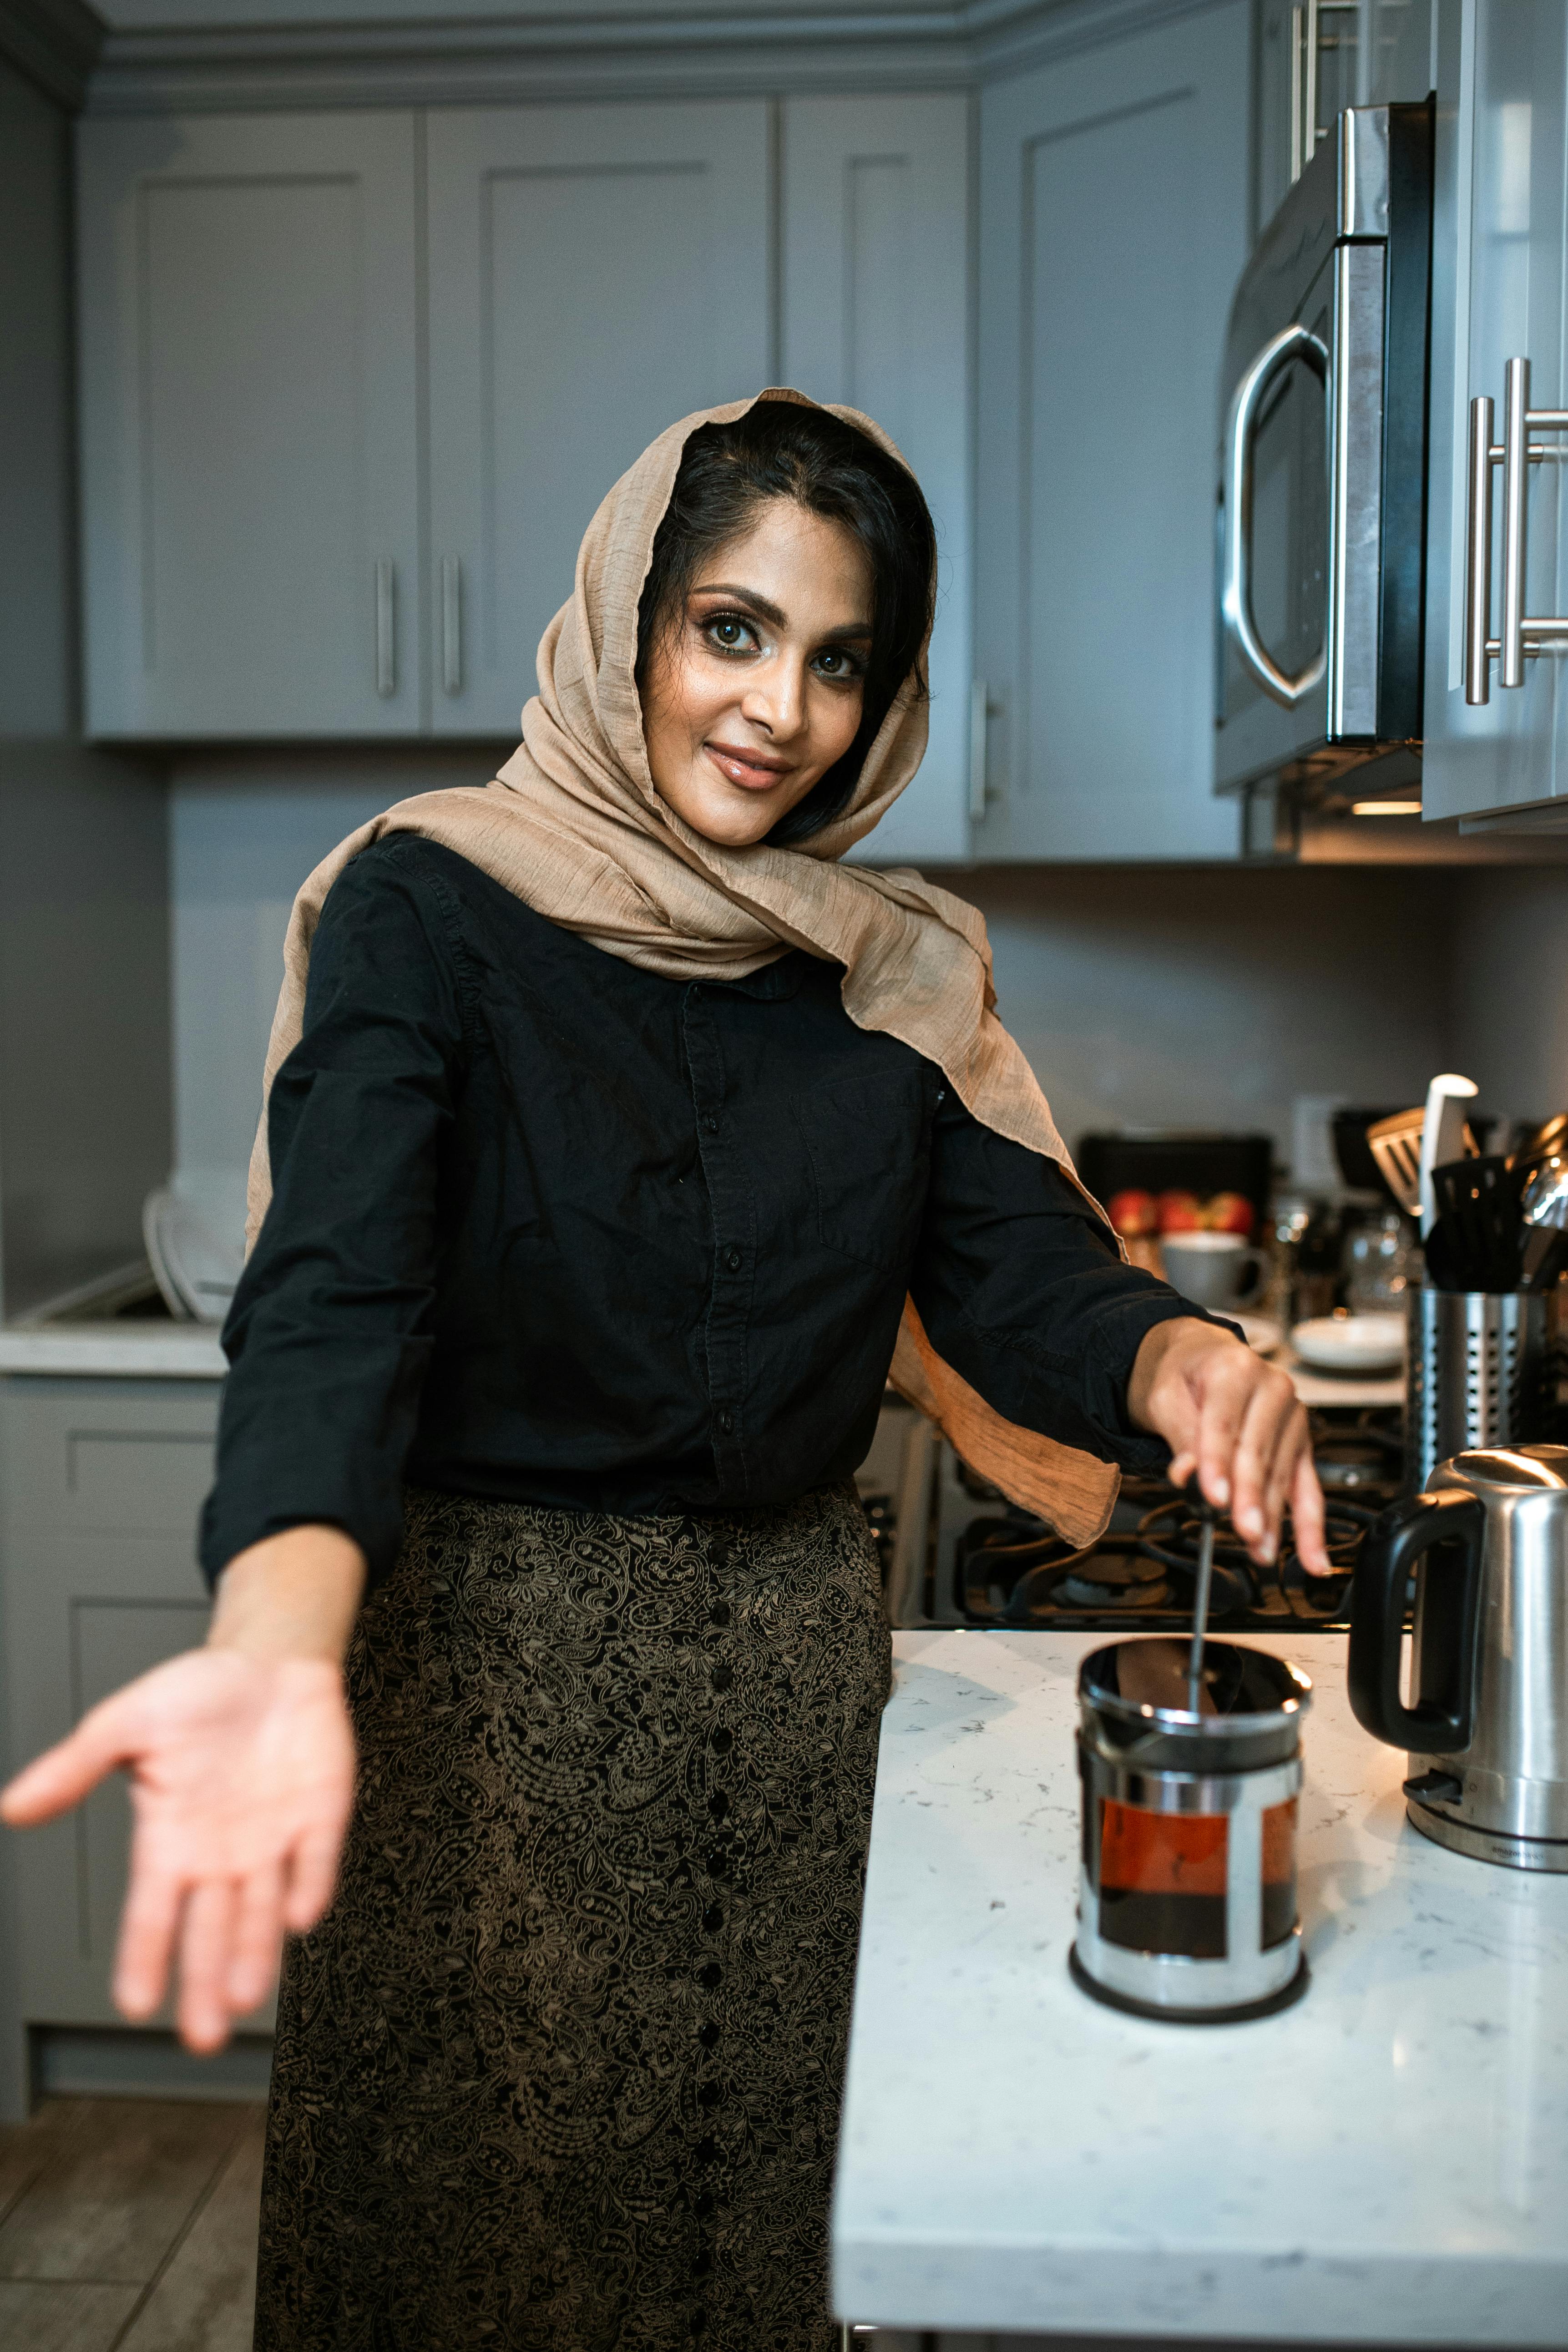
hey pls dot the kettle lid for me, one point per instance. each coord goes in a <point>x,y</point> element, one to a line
<point>1515,1465</point>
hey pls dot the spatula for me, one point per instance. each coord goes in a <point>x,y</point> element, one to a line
<point>1442,1133</point>
<point>1396,1145</point>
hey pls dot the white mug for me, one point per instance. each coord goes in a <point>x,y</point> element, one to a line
<point>1209,1268</point>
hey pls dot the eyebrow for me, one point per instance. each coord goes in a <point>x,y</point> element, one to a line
<point>760,605</point>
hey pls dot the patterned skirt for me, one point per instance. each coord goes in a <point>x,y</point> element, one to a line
<point>560,2070</point>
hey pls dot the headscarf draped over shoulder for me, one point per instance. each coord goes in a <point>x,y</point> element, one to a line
<point>573,825</point>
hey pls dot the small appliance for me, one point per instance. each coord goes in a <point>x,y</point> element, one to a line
<point>1487,1726</point>
<point>1323,479</point>
<point>1187,1890</point>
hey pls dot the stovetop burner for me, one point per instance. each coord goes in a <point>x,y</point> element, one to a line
<point>1009,1570</point>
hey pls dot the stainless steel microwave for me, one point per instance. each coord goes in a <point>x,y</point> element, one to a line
<point>1322,493</point>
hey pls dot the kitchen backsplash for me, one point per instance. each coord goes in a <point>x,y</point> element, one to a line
<point>1145,995</point>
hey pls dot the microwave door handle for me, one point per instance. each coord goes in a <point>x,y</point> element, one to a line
<point>1292,343</point>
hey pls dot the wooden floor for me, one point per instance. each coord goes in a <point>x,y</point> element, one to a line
<point>128,2225</point>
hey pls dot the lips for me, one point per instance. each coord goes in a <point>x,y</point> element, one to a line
<point>750,769</point>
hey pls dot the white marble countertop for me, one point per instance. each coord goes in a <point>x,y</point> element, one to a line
<point>1387,2160</point>
<point>126,1349</point>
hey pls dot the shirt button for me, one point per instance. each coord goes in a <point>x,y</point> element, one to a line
<point>732,1260</point>
<point>711,1124</point>
<point>726,1420</point>
<point>719,1614</point>
<point>712,1919</point>
<point>722,1677</point>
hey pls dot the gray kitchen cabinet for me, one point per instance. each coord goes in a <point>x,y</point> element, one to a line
<point>876,313</point>
<point>1323,55</point>
<point>595,272</point>
<point>100,1481</point>
<point>250,460</point>
<point>1500,295</point>
<point>1113,225</point>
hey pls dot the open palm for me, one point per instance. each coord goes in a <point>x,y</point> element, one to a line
<point>241,1781</point>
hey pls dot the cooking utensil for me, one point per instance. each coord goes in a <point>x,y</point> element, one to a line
<point>1486,1727</point>
<point>1396,1145</point>
<point>1202,1585</point>
<point>1443,1135</point>
<point>1549,1140</point>
<point>1544,1208</point>
<point>1187,1899</point>
<point>1478,1213</point>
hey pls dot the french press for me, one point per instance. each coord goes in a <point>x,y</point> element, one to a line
<point>1487,1726</point>
<point>1187,1890</point>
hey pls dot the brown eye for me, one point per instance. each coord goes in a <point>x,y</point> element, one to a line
<point>728,633</point>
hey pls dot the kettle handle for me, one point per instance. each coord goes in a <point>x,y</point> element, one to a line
<point>1398,1541</point>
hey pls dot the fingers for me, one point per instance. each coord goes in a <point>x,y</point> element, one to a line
<point>63,1775</point>
<point>205,1945</point>
<point>1306,1517</point>
<point>258,1935</point>
<point>1273,1431</point>
<point>1222,1404</point>
<point>311,1878</point>
<point>146,1935</point>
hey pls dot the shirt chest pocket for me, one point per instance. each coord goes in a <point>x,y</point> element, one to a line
<point>867,1150</point>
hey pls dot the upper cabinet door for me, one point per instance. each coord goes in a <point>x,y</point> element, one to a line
<point>876,314</point>
<point>1498,294</point>
<point>596,272</point>
<point>251,426</point>
<point>1112,229</point>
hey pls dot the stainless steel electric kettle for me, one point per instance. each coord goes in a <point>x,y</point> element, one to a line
<point>1487,1726</point>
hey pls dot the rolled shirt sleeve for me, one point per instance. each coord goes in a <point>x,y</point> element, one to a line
<point>1021,1290</point>
<point>329,1336</point>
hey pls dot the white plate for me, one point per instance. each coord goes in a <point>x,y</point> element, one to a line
<point>1351,1343</point>
<point>1259,1331</point>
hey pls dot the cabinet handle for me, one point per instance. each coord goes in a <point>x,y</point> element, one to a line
<point>1235,597</point>
<point>1521,637</point>
<point>385,627</point>
<point>452,624</point>
<point>979,741</point>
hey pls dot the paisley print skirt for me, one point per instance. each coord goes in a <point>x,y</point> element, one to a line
<point>560,2070</point>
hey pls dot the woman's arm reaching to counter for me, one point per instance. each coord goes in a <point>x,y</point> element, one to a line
<point>1237,1422</point>
<point>241,1762</point>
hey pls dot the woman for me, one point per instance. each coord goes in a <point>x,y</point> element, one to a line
<point>618,1137</point>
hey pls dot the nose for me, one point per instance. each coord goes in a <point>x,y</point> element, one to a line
<point>775,697</point>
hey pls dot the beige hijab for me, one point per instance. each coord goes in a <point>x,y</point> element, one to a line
<point>575,827</point>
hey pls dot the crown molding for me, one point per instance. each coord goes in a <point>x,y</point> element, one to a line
<point>55,43</point>
<point>661,49</point>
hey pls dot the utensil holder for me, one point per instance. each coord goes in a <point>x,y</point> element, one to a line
<point>1473,1374</point>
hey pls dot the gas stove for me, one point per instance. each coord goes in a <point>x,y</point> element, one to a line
<point>955,1552</point>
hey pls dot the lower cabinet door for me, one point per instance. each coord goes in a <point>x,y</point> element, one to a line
<point>99,1485</point>
<point>1113,226</point>
<point>596,272</point>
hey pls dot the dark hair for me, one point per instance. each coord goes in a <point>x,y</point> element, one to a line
<point>780,449</point>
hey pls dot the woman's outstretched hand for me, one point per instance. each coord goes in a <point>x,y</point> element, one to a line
<point>1236,1423</point>
<point>241,1762</point>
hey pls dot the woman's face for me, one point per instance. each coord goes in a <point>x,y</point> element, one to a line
<point>756,689</point>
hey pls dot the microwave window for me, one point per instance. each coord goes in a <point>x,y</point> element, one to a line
<point>1290,519</point>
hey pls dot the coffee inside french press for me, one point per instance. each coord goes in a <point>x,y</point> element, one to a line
<point>1187,1899</point>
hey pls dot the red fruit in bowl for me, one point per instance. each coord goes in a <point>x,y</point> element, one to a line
<point>1229,1212</point>
<point>1180,1213</point>
<point>1133,1212</point>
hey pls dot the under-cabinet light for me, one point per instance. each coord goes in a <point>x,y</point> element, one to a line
<point>1385,808</point>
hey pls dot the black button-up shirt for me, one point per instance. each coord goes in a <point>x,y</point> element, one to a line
<point>548,1228</point>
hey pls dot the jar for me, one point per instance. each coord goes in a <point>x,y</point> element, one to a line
<point>1187,1892</point>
